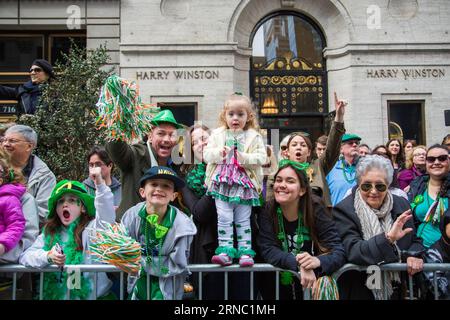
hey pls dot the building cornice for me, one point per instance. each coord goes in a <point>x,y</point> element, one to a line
<point>386,47</point>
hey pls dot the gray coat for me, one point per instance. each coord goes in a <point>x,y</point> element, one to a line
<point>36,257</point>
<point>40,184</point>
<point>174,252</point>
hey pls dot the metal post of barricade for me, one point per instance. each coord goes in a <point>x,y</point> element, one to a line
<point>251,285</point>
<point>411,289</point>
<point>121,286</point>
<point>307,294</point>
<point>436,295</point>
<point>95,285</point>
<point>67,292</point>
<point>200,285</point>
<point>148,285</point>
<point>174,290</point>
<point>277,285</point>
<point>41,286</point>
<point>226,285</point>
<point>14,288</point>
<point>383,274</point>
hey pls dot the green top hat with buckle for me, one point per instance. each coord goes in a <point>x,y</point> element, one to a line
<point>350,136</point>
<point>74,187</point>
<point>165,116</point>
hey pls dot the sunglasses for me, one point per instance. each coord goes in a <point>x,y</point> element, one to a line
<point>36,70</point>
<point>352,142</point>
<point>366,187</point>
<point>441,158</point>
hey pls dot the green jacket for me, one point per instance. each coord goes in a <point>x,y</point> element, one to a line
<point>132,161</point>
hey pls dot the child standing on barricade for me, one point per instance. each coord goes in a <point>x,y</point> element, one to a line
<point>235,154</point>
<point>73,214</point>
<point>165,234</point>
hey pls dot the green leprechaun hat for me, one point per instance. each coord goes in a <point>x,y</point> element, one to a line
<point>165,116</point>
<point>75,187</point>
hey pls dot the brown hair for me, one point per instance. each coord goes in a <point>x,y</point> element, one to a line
<point>412,141</point>
<point>186,167</point>
<point>7,172</point>
<point>54,224</point>
<point>400,157</point>
<point>307,140</point>
<point>322,140</point>
<point>306,204</point>
<point>245,102</point>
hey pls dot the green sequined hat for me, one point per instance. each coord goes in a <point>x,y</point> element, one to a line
<point>75,187</point>
<point>166,116</point>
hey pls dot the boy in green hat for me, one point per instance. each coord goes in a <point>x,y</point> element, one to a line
<point>165,234</point>
<point>133,160</point>
<point>72,215</point>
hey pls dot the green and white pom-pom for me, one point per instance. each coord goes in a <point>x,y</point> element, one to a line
<point>121,112</point>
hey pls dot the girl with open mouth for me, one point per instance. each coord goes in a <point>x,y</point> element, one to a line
<point>72,216</point>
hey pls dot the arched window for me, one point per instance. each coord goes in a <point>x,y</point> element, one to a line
<point>288,74</point>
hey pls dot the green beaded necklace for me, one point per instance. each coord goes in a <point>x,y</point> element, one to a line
<point>302,234</point>
<point>151,242</point>
<point>351,171</point>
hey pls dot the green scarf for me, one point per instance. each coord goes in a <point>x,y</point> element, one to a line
<point>196,179</point>
<point>302,234</point>
<point>55,289</point>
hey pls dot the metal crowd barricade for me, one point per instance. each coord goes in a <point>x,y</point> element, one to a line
<point>399,267</point>
<point>199,268</point>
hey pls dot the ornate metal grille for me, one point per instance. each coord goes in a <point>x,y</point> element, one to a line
<point>290,81</point>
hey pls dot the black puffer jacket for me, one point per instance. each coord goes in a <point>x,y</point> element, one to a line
<point>27,95</point>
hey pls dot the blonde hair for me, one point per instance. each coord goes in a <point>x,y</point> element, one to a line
<point>242,101</point>
<point>7,173</point>
<point>410,156</point>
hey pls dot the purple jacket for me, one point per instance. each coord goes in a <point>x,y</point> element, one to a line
<point>12,221</point>
<point>406,176</point>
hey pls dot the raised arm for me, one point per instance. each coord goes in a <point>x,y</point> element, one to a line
<point>334,137</point>
<point>121,154</point>
<point>104,200</point>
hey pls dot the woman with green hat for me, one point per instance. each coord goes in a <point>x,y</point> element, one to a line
<point>72,215</point>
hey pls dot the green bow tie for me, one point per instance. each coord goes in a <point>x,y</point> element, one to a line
<point>160,231</point>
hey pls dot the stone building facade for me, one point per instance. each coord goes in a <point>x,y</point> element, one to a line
<point>388,58</point>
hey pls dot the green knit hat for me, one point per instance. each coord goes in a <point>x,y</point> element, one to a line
<point>165,116</point>
<point>350,136</point>
<point>75,187</point>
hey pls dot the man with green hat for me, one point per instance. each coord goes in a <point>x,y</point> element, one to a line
<point>343,175</point>
<point>134,160</point>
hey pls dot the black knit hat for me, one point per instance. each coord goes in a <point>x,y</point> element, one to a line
<point>45,65</point>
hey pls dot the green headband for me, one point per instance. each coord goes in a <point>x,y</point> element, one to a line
<point>299,166</point>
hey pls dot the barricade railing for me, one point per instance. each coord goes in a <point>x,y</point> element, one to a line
<point>16,269</point>
<point>398,267</point>
<point>194,268</point>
